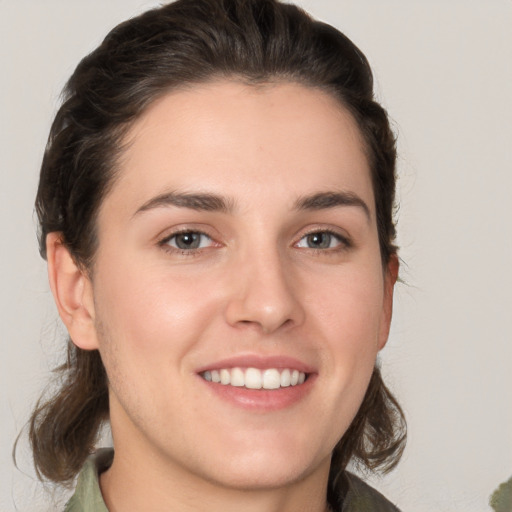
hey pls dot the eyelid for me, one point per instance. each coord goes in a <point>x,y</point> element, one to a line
<point>170,231</point>
<point>344,239</point>
<point>163,241</point>
<point>200,235</point>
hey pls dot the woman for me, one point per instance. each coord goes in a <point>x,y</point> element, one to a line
<point>215,206</point>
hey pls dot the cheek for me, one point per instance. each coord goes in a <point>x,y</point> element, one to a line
<point>146,325</point>
<point>349,319</point>
<point>155,314</point>
<point>346,312</point>
<point>349,308</point>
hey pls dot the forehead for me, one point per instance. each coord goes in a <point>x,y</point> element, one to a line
<point>236,139</point>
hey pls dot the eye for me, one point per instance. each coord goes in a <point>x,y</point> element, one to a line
<point>322,240</point>
<point>188,241</point>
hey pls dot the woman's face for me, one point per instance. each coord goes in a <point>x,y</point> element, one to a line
<point>239,242</point>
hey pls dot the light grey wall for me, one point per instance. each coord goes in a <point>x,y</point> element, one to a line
<point>444,71</point>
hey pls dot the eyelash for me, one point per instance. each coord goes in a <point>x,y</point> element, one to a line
<point>164,243</point>
<point>344,242</point>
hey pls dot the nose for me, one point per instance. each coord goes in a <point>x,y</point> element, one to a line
<point>263,294</point>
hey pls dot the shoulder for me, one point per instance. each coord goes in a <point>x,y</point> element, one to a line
<point>87,496</point>
<point>360,497</point>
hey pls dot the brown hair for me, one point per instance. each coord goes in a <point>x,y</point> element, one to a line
<point>187,42</point>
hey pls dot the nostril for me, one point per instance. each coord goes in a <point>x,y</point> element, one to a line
<point>265,326</point>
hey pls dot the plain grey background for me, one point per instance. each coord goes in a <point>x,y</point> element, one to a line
<point>444,71</point>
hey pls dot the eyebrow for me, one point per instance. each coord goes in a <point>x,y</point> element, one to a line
<point>194,201</point>
<point>214,203</point>
<point>330,199</point>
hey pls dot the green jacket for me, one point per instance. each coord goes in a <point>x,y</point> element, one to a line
<point>359,497</point>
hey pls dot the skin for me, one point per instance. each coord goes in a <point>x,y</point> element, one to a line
<point>256,286</point>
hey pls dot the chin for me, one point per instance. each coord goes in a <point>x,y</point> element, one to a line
<point>262,474</point>
<point>265,466</point>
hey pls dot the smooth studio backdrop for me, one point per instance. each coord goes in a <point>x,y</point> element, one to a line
<point>444,71</point>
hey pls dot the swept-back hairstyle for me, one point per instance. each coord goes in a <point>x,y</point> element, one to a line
<point>180,44</point>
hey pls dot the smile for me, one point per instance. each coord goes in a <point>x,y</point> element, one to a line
<point>254,378</point>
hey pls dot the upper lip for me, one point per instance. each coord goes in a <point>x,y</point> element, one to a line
<point>258,361</point>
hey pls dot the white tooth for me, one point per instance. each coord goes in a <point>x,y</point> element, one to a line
<point>271,379</point>
<point>237,377</point>
<point>285,378</point>
<point>302,377</point>
<point>207,375</point>
<point>253,378</point>
<point>294,378</point>
<point>215,376</point>
<point>225,376</point>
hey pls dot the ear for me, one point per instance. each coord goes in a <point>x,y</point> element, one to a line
<point>390,278</point>
<point>73,293</point>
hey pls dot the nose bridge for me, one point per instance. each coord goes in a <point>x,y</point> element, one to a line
<point>263,294</point>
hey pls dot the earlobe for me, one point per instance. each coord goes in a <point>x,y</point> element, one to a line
<point>390,278</point>
<point>73,293</point>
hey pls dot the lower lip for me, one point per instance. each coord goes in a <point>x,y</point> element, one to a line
<point>262,399</point>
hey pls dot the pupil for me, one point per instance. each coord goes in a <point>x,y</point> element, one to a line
<point>319,240</point>
<point>187,241</point>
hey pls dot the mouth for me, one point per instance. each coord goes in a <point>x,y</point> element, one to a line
<point>255,378</point>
